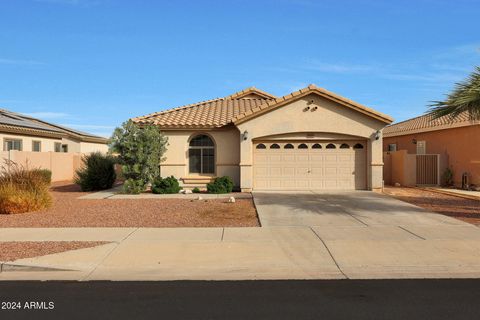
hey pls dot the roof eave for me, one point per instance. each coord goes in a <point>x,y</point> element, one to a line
<point>430,129</point>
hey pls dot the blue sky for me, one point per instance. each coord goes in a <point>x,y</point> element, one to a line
<point>92,64</point>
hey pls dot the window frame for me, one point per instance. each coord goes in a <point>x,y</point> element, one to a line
<point>39,145</point>
<point>201,156</point>
<point>7,140</point>
<point>59,145</point>
<point>392,147</point>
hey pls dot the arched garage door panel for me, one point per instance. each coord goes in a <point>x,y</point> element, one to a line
<point>312,165</point>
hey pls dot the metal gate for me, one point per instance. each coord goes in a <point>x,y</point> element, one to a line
<point>428,169</point>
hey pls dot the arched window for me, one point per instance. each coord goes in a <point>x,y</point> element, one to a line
<point>288,146</point>
<point>274,146</point>
<point>358,146</point>
<point>201,155</point>
<point>317,146</point>
<point>344,146</point>
<point>261,146</point>
<point>331,146</point>
<point>302,146</point>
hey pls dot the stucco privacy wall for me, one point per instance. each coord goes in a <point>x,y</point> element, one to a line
<point>62,165</point>
<point>458,145</point>
<point>329,117</point>
<point>227,152</point>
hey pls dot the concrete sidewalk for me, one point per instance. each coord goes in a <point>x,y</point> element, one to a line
<point>322,252</point>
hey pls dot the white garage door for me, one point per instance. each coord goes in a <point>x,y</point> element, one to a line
<point>309,165</point>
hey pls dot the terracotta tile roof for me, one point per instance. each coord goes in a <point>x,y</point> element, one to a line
<point>240,107</point>
<point>427,123</point>
<point>210,113</point>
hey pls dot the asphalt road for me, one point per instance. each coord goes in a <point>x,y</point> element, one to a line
<point>330,299</point>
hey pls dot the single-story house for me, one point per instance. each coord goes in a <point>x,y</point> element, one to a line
<point>456,140</point>
<point>24,133</point>
<point>308,139</point>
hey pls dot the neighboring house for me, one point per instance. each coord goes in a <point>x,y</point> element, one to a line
<point>457,140</point>
<point>309,139</point>
<point>24,133</point>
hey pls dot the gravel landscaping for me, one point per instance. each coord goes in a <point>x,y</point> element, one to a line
<point>69,211</point>
<point>460,208</point>
<point>11,251</point>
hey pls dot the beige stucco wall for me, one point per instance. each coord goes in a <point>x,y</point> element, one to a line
<point>47,144</point>
<point>227,153</point>
<point>89,147</point>
<point>329,117</point>
<point>84,147</point>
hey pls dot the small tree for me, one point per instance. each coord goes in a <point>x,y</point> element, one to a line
<point>140,150</point>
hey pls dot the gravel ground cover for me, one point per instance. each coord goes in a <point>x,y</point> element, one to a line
<point>460,208</point>
<point>69,211</point>
<point>10,251</point>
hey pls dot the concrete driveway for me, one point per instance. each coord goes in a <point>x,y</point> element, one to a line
<point>347,209</point>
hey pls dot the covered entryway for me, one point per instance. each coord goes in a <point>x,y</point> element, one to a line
<point>310,165</point>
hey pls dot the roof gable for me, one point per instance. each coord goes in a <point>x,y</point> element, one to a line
<point>251,93</point>
<point>279,102</point>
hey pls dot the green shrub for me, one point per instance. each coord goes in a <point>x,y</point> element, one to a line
<point>196,190</point>
<point>132,186</point>
<point>221,185</point>
<point>22,190</point>
<point>97,172</point>
<point>448,177</point>
<point>44,174</point>
<point>165,185</point>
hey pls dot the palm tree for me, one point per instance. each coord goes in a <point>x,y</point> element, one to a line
<point>464,98</point>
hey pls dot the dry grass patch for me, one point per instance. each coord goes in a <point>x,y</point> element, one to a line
<point>23,190</point>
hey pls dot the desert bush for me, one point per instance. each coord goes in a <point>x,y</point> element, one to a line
<point>97,172</point>
<point>196,190</point>
<point>22,190</point>
<point>221,185</point>
<point>165,185</point>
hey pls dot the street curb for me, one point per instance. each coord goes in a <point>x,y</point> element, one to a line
<point>455,194</point>
<point>10,267</point>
